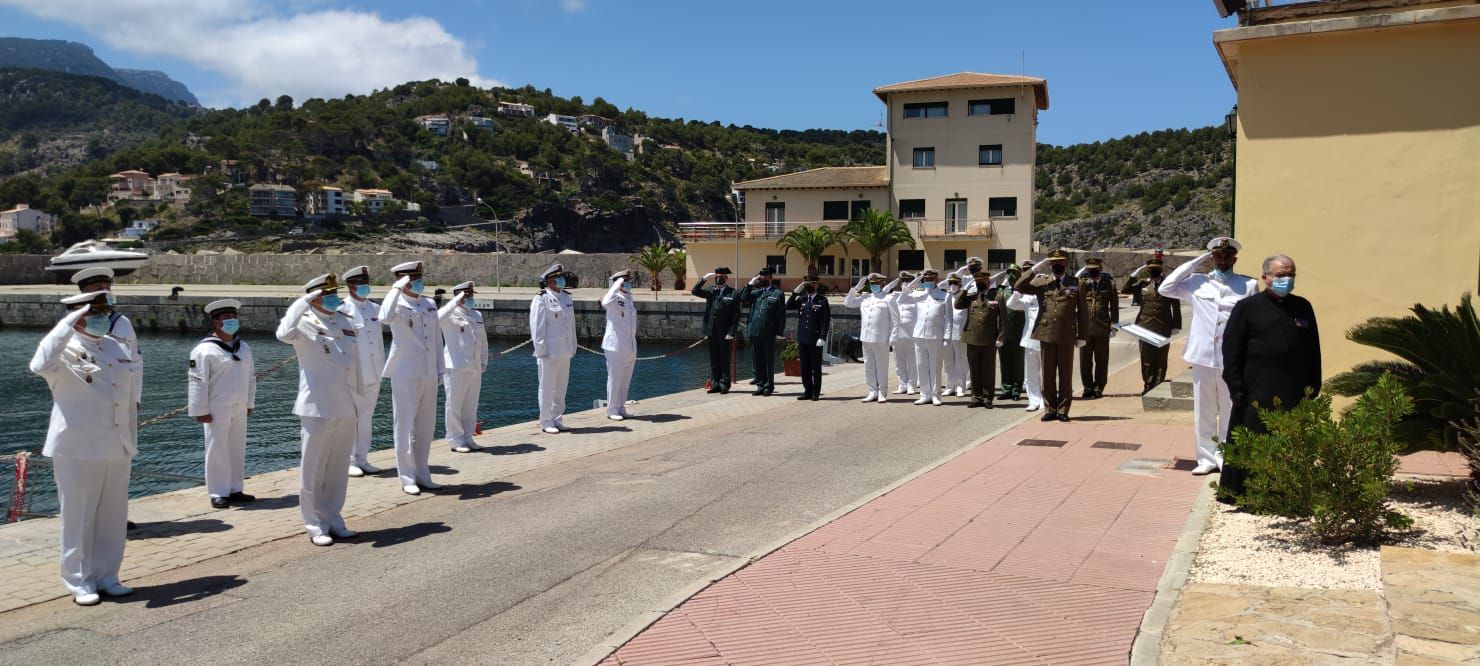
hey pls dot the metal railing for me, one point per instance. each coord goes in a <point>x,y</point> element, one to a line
<point>732,231</point>
<point>952,228</point>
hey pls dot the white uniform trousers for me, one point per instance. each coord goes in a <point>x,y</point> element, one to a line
<point>904,363</point>
<point>321,478</point>
<point>414,408</point>
<point>1212,407</point>
<point>463,387</point>
<point>364,426</point>
<point>957,372</point>
<point>94,498</point>
<point>554,376</point>
<point>876,366</point>
<point>1033,376</point>
<point>618,380</point>
<point>226,453</point>
<point>927,365</point>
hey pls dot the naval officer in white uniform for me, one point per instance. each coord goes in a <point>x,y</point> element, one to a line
<point>325,341</point>
<point>932,307</point>
<point>91,441</point>
<point>222,392</point>
<point>619,344</point>
<point>957,374</point>
<point>466,358</point>
<point>365,314</point>
<point>119,326</point>
<point>901,337</point>
<point>415,366</point>
<point>876,323</point>
<point>1032,352</point>
<point>1212,297</point>
<point>552,330</point>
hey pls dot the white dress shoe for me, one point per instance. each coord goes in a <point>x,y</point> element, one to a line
<point>322,540</point>
<point>116,590</point>
<point>552,430</point>
<point>411,489</point>
<point>883,398</point>
<point>960,392</point>
<point>923,401</point>
<point>872,395</point>
<point>1032,408</point>
<point>428,485</point>
<point>461,449</point>
<point>355,471</point>
<point>615,417</point>
<point>87,599</point>
<point>343,533</point>
<point>1204,468</point>
<point>935,401</point>
<point>902,389</point>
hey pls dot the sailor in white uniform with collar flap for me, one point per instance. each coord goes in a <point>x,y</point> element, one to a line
<point>619,344</point>
<point>552,331</point>
<point>415,366</point>
<point>222,392</point>
<point>91,441</point>
<point>466,358</point>
<point>325,341</point>
<point>365,314</point>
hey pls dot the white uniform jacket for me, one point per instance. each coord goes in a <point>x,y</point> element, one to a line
<point>328,360</point>
<point>621,321</point>
<point>365,315</point>
<point>219,381</point>
<point>932,306</point>
<point>466,338</point>
<point>94,415</point>
<point>122,329</point>
<point>552,325</point>
<point>1212,302</point>
<point>416,337</point>
<point>956,320</point>
<point>875,314</point>
<point>904,317</point>
<point>1028,305</point>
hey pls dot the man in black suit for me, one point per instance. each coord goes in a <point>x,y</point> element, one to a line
<point>813,320</point>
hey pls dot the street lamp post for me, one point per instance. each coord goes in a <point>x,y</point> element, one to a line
<point>1230,121</point>
<point>498,233</point>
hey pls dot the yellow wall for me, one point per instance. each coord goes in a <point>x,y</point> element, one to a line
<point>1359,156</point>
<point>805,205</point>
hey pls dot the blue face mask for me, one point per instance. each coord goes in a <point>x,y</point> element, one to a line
<point>1282,286</point>
<point>96,325</point>
<point>560,282</point>
<point>111,299</point>
<point>231,326</point>
<point>362,290</point>
<point>332,302</point>
<point>1221,275</point>
<point>417,285</point>
<point>626,286</point>
<point>873,289</point>
<point>927,285</point>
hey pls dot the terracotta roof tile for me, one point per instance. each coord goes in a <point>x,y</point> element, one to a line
<point>866,176</point>
<point>969,80</point>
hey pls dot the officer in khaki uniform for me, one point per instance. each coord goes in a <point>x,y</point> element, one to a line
<point>983,332</point>
<point>1060,328</point>
<point>1103,310</point>
<point>1159,314</point>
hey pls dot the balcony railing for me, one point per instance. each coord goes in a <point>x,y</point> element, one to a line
<point>952,228</point>
<point>702,232</point>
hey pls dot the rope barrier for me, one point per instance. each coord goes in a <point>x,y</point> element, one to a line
<point>648,358</point>
<point>181,410</point>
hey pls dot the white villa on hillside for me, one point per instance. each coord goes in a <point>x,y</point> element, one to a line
<point>24,217</point>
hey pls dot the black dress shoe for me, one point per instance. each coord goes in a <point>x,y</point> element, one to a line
<point>133,525</point>
<point>713,389</point>
<point>816,396</point>
<point>804,396</point>
<point>769,391</point>
<point>975,403</point>
<point>758,392</point>
<point>241,497</point>
<point>1017,396</point>
<point>220,503</point>
<point>987,405</point>
<point>1089,394</point>
<point>1049,416</point>
<point>1063,418</point>
<point>725,389</point>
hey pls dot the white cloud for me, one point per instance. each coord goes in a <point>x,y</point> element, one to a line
<point>264,50</point>
<point>573,6</point>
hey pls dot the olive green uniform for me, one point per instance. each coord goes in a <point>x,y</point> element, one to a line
<point>1010,354</point>
<point>983,332</point>
<point>1061,321</point>
<point>1160,315</point>
<point>1103,311</point>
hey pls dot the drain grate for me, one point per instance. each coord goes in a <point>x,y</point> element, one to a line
<point>1053,443</point>
<point>1118,446</point>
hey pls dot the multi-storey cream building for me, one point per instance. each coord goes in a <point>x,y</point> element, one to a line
<point>960,152</point>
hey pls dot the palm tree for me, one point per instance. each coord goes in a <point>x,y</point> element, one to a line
<point>877,232</point>
<point>1438,364</point>
<point>653,259</point>
<point>678,262</point>
<point>809,242</point>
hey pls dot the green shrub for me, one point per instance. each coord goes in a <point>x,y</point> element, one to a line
<point>791,352</point>
<point>1335,473</point>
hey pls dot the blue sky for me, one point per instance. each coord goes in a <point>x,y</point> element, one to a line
<point>1112,68</point>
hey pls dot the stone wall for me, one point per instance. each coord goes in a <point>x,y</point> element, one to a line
<point>25,269</point>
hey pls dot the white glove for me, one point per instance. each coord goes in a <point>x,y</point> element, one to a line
<point>301,305</point>
<point>890,287</point>
<point>754,280</point>
<point>1113,332</point>
<point>729,337</point>
<point>1140,270</point>
<point>972,289</point>
<point>797,289</point>
<point>709,276</point>
<point>1078,344</point>
<point>863,281</point>
<point>819,342</point>
<point>1042,266</point>
<point>1082,270</point>
<point>76,316</point>
<point>999,344</point>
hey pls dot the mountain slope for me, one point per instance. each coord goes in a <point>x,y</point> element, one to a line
<point>157,83</point>
<point>73,58</point>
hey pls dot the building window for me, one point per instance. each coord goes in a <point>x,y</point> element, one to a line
<point>991,107</point>
<point>825,264</point>
<point>925,110</point>
<point>777,262</point>
<point>1002,207</point>
<point>775,218</point>
<point>911,260</point>
<point>1001,258</point>
<point>955,259</point>
<point>834,210</point>
<point>956,221</point>
<point>911,208</point>
<point>858,268</point>
<point>989,155</point>
<point>857,207</point>
<point>924,158</point>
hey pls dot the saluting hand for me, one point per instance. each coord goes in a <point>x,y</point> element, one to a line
<point>709,276</point>
<point>754,280</point>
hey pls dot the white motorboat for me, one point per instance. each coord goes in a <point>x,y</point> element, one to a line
<point>90,254</point>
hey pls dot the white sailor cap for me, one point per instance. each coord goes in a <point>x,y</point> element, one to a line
<point>620,275</point>
<point>408,267</point>
<point>356,272</point>
<point>974,260</point>
<point>224,304</point>
<point>554,269</point>
<point>326,282</point>
<point>88,276</point>
<point>1224,243</point>
<point>463,286</point>
<point>86,297</point>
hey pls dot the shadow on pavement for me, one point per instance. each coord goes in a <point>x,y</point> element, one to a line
<point>660,418</point>
<point>269,503</point>
<point>441,469</point>
<point>181,592</point>
<point>396,536</point>
<point>1102,418</point>
<point>483,490</point>
<point>165,529</point>
<point>598,430</point>
<point>512,450</point>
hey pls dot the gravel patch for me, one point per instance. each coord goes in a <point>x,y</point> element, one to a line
<point>1245,549</point>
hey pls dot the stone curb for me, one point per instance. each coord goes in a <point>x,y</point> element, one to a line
<point>1146,650</point>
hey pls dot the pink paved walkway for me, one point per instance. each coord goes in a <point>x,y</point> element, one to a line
<point>1006,554</point>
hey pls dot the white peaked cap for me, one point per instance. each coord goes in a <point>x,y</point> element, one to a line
<point>463,287</point>
<point>357,271</point>
<point>223,304</point>
<point>619,275</point>
<point>1224,241</point>
<point>974,260</point>
<point>87,273</point>
<point>319,282</point>
<point>408,267</point>
<point>553,269</point>
<point>85,297</point>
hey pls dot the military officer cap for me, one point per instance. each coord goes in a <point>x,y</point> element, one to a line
<point>465,286</point>
<point>1154,261</point>
<point>722,270</point>
<point>767,271</point>
<point>555,269</point>
<point>906,275</point>
<point>94,275</point>
<point>356,273</point>
<point>974,261</point>
<point>87,297</point>
<point>627,274</point>
<point>1027,263</point>
<point>1094,262</point>
<point>1225,244</point>
<point>809,278</point>
<point>1058,255</point>
<point>929,273</point>
<point>408,267</point>
<point>953,278</point>
<point>222,305</point>
<point>877,278</point>
<point>326,282</point>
